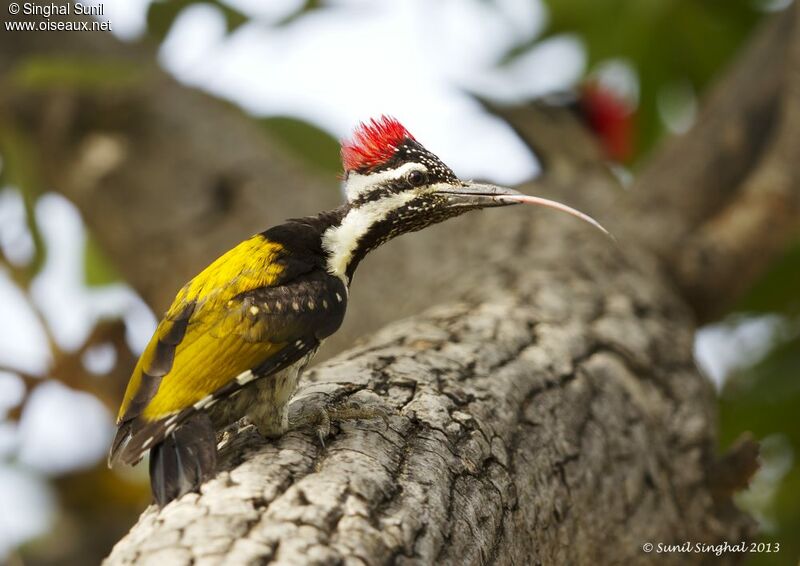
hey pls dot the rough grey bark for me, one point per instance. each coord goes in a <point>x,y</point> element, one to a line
<point>549,411</point>
<point>561,421</point>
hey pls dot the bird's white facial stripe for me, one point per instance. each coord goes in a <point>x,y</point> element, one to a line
<point>357,184</point>
<point>341,241</point>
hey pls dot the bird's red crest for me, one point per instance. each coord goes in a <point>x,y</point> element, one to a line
<point>373,143</point>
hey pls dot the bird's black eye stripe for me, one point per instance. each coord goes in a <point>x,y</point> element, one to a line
<point>416,178</point>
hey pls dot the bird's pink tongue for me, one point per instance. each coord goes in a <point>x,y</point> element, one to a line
<point>538,201</point>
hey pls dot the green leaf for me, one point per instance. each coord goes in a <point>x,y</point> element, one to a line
<point>162,14</point>
<point>315,146</point>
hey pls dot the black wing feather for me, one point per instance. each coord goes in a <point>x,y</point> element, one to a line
<point>184,459</point>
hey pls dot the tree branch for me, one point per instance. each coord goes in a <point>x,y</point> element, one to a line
<point>552,426</point>
<point>722,201</point>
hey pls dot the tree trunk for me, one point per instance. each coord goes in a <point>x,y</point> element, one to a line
<point>547,411</point>
<point>561,421</point>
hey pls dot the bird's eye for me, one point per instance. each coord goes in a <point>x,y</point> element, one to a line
<point>416,178</point>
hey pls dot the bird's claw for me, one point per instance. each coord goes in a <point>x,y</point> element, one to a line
<point>319,416</point>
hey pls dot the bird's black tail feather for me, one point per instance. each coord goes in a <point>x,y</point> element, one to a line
<point>184,459</point>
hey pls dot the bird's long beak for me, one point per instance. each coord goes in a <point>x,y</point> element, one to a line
<point>480,195</point>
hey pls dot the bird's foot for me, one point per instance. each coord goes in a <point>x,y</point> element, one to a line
<point>305,413</point>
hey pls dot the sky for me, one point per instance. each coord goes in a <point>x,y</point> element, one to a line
<point>414,59</point>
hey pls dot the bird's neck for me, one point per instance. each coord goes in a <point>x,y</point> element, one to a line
<point>361,230</point>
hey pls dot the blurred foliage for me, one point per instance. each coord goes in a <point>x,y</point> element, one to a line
<point>316,147</point>
<point>21,158</point>
<point>98,269</point>
<point>666,41</point>
<point>87,534</point>
<point>75,73</point>
<point>96,509</point>
<point>765,398</point>
<point>20,169</point>
<point>162,14</point>
<point>307,7</point>
<point>779,289</point>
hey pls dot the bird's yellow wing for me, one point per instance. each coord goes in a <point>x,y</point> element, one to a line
<point>202,362</point>
<point>179,342</point>
<point>254,308</point>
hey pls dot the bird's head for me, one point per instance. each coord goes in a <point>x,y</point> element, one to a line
<point>394,185</point>
<point>396,180</point>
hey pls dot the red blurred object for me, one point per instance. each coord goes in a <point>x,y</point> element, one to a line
<point>611,117</point>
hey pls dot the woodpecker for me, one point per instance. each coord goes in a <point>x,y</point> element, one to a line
<point>238,336</point>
